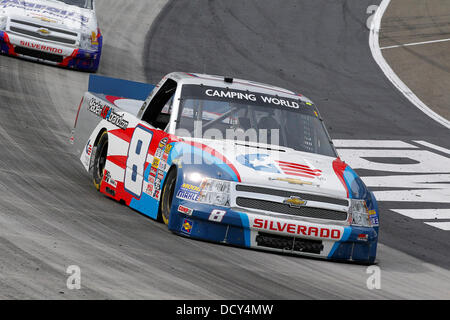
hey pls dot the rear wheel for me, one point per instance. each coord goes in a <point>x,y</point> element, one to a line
<point>98,167</point>
<point>167,196</point>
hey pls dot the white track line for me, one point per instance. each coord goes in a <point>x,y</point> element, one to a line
<point>390,74</point>
<point>414,44</point>
<point>433,146</point>
<point>441,225</point>
<point>424,213</point>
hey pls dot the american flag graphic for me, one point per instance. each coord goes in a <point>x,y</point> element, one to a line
<point>300,170</point>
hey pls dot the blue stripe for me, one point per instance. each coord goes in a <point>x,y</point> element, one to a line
<point>119,87</point>
<point>347,232</point>
<point>246,227</point>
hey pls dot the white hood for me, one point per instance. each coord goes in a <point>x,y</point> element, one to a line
<point>280,167</point>
<point>50,13</point>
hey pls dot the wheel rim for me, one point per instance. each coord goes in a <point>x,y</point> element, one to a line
<point>101,162</point>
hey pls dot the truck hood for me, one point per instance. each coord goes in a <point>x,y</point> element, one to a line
<point>278,167</point>
<point>49,13</point>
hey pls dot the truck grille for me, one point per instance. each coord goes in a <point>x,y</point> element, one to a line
<point>39,54</point>
<point>54,34</point>
<point>310,212</point>
<point>288,243</point>
<point>287,194</point>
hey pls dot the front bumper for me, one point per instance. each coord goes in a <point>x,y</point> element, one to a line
<point>63,56</point>
<point>273,233</point>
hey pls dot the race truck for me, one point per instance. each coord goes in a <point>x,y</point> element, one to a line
<point>63,33</point>
<point>228,161</point>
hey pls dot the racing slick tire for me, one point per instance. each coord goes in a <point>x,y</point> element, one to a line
<point>100,159</point>
<point>167,194</point>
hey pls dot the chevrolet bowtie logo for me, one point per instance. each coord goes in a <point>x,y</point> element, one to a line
<point>295,202</point>
<point>43,31</point>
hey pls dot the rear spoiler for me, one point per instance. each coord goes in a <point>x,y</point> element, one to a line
<point>119,87</point>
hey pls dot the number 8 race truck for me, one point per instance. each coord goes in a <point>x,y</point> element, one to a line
<point>228,161</point>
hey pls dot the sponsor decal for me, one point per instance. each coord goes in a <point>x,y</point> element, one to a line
<point>88,148</point>
<point>168,148</point>
<point>160,174</point>
<point>155,163</point>
<point>185,210</point>
<point>162,143</point>
<point>296,169</point>
<point>188,192</point>
<point>108,179</point>
<point>374,221</point>
<point>159,153</point>
<point>153,172</point>
<point>106,112</point>
<point>373,218</point>
<point>40,47</point>
<point>295,202</point>
<point>258,162</point>
<point>254,97</point>
<point>157,184</point>
<point>187,195</point>
<point>187,225</point>
<point>149,189</point>
<point>163,166</point>
<point>298,229</point>
<point>187,186</point>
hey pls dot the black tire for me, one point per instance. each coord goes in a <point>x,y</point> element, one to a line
<point>167,194</point>
<point>98,166</point>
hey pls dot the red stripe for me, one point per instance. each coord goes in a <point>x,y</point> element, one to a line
<point>339,168</point>
<point>296,165</point>
<point>120,161</point>
<point>319,172</point>
<point>67,59</point>
<point>112,99</point>
<point>123,134</point>
<point>302,172</point>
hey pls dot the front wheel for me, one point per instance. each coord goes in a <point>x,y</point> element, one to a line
<point>167,196</point>
<point>101,153</point>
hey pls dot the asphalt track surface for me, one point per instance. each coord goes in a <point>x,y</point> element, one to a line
<point>51,217</point>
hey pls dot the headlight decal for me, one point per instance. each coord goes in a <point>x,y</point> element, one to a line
<point>208,156</point>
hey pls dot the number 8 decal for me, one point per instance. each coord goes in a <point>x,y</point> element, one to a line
<point>136,159</point>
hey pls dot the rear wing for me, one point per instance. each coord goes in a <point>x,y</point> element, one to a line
<point>107,90</point>
<point>119,87</point>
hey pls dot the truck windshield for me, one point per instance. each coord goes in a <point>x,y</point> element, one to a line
<point>218,113</point>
